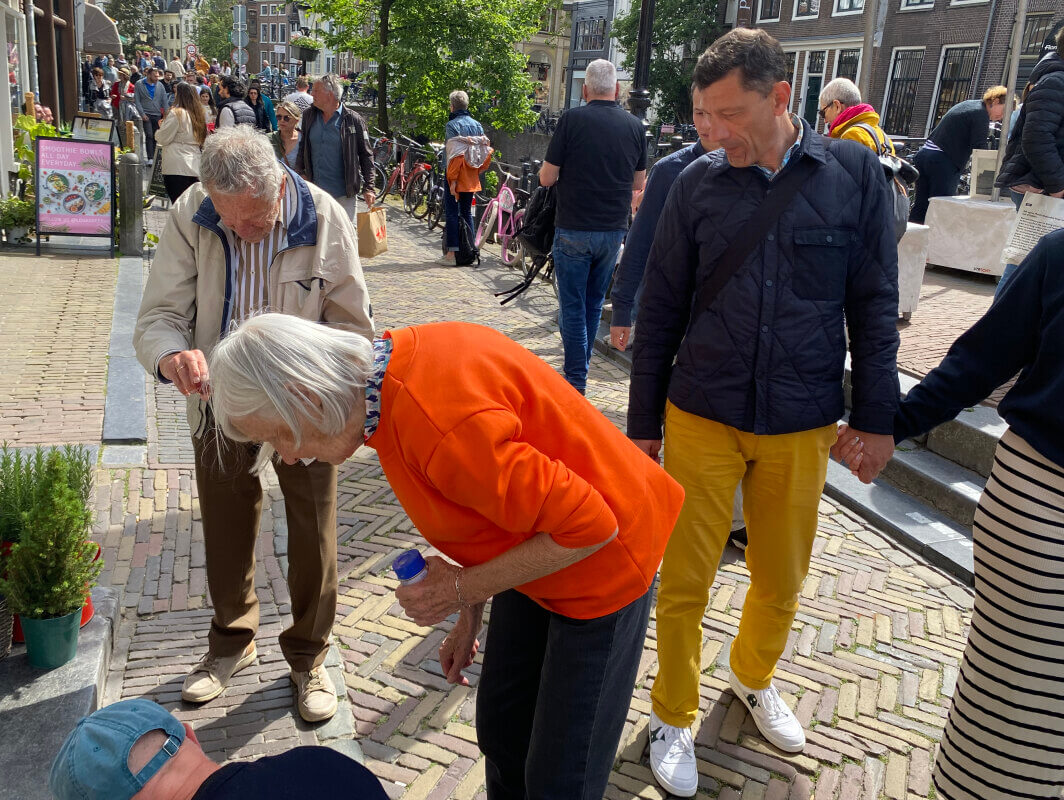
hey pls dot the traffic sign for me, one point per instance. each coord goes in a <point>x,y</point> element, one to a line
<point>239,56</point>
<point>190,50</point>
<point>239,38</point>
<point>240,15</point>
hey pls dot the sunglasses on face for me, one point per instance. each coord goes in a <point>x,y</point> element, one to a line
<point>821,113</point>
<point>284,117</point>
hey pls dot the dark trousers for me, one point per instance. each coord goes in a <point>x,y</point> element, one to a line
<point>176,185</point>
<point>230,502</point>
<point>553,697</point>
<point>151,125</point>
<point>938,178</point>
<point>454,210</point>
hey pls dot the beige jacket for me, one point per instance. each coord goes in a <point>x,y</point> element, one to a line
<point>181,151</point>
<point>187,302</point>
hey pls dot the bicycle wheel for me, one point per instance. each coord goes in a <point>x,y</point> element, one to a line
<point>548,273</point>
<point>435,204</point>
<point>487,223</point>
<point>513,254</point>
<point>417,192</point>
<point>380,180</point>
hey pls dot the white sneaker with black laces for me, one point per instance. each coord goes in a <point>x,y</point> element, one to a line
<point>776,722</point>
<point>672,757</point>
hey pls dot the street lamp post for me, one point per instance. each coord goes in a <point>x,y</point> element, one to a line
<point>639,97</point>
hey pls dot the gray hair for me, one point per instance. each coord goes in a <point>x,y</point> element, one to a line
<point>459,100</point>
<point>274,367</point>
<point>332,83</point>
<point>600,78</point>
<point>842,89</point>
<point>240,160</point>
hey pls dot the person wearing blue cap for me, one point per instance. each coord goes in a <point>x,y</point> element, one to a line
<point>138,749</point>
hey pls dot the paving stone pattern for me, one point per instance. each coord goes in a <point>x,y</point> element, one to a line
<point>869,668</point>
<point>55,321</point>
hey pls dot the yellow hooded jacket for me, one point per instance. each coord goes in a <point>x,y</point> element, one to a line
<point>848,129</point>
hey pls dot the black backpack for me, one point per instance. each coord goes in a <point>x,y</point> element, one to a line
<point>537,224</point>
<point>900,176</point>
<point>467,251</point>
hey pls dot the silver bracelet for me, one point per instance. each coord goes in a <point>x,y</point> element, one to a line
<point>458,589</point>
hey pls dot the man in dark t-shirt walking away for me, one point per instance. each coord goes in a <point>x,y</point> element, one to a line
<point>597,157</point>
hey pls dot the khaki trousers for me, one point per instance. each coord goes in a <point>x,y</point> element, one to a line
<point>231,501</point>
<point>782,479</point>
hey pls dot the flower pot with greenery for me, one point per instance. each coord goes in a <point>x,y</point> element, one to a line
<point>16,218</point>
<point>53,564</point>
<point>307,47</point>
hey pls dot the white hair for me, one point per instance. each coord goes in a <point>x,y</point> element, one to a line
<point>459,100</point>
<point>277,367</point>
<point>842,89</point>
<point>240,160</point>
<point>331,82</point>
<point>600,78</point>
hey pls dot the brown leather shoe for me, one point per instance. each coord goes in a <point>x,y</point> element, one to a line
<point>315,694</point>
<point>211,675</point>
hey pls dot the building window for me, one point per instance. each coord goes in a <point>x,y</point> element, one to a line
<point>769,10</point>
<point>792,58</point>
<point>282,30</point>
<point>591,34</point>
<point>849,6</point>
<point>849,63</point>
<point>1036,29</point>
<point>917,3</point>
<point>958,66</point>
<point>264,35</point>
<point>548,23</point>
<point>273,32</point>
<point>806,8</point>
<point>273,10</point>
<point>264,10</point>
<point>901,90</point>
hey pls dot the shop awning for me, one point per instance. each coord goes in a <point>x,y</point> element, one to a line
<point>101,33</point>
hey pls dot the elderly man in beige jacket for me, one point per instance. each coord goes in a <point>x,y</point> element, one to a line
<point>252,236</point>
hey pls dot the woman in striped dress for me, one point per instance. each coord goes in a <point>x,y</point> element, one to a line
<point>1004,739</point>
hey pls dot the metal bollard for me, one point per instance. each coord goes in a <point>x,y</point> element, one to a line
<point>130,205</point>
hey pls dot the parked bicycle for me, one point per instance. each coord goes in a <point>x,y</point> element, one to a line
<point>502,220</point>
<point>403,172</point>
<point>426,193</point>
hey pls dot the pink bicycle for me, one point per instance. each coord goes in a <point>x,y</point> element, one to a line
<point>502,221</point>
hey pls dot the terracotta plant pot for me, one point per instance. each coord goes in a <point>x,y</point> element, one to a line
<point>88,611</point>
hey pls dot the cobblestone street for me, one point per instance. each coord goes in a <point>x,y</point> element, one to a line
<point>869,667</point>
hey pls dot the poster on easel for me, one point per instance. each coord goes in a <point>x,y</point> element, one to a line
<point>157,186</point>
<point>75,188</point>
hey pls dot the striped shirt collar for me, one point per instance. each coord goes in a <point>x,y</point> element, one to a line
<point>382,353</point>
<point>794,148</point>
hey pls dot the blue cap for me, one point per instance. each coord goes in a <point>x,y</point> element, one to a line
<point>408,564</point>
<point>94,760</point>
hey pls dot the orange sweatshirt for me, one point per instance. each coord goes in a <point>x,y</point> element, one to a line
<point>485,445</point>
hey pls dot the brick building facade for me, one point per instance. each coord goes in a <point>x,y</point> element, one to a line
<point>931,54</point>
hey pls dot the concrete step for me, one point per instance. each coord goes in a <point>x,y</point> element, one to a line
<point>939,482</point>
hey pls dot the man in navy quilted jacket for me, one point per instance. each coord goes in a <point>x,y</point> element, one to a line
<point>750,388</point>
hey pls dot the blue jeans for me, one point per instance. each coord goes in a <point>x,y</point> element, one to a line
<point>452,210</point>
<point>583,265</point>
<point>553,697</point>
<point>1006,275</point>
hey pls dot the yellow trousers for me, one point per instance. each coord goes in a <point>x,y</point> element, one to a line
<point>782,478</point>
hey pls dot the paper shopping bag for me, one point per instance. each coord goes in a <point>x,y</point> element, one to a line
<point>372,232</point>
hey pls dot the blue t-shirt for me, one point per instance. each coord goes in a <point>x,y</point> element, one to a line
<point>327,161</point>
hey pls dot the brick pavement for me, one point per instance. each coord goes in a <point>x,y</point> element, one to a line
<point>870,663</point>
<point>55,321</point>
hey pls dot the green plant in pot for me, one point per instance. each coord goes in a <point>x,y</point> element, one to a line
<point>17,217</point>
<point>53,564</point>
<point>307,47</point>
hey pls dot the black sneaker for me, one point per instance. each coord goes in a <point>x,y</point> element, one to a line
<point>737,539</point>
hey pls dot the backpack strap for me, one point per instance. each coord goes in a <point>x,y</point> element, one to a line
<point>880,143</point>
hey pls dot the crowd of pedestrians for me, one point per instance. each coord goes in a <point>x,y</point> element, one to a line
<point>759,258</point>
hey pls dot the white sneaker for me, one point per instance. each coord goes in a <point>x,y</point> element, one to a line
<point>776,722</point>
<point>672,757</point>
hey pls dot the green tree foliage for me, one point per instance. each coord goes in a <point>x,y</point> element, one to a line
<point>428,48</point>
<point>131,17</point>
<point>214,22</point>
<point>683,29</point>
<point>51,568</point>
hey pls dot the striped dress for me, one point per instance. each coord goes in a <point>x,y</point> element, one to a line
<point>1004,739</point>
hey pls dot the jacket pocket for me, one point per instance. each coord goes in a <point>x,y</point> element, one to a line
<point>821,258</point>
<point>301,286</point>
